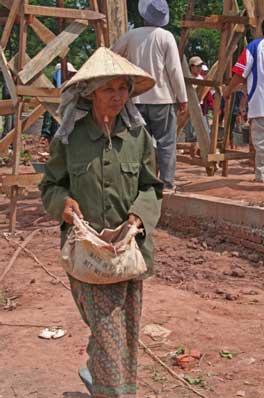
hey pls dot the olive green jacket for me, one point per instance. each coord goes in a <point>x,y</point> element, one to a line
<point>108,184</point>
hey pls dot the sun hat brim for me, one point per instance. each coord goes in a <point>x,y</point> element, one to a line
<point>105,63</point>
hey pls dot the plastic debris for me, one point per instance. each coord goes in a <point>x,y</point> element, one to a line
<point>53,332</point>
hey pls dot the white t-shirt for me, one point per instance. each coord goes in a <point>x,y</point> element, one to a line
<point>250,65</point>
<point>155,50</point>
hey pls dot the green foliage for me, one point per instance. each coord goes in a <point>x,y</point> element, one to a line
<point>202,42</point>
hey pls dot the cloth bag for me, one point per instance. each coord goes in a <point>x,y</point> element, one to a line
<point>110,256</point>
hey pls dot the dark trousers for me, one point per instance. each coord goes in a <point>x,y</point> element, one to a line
<point>161,124</point>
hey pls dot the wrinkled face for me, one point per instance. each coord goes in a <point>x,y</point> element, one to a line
<point>111,98</point>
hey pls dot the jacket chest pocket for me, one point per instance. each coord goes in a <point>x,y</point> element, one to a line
<point>78,176</point>
<point>129,179</point>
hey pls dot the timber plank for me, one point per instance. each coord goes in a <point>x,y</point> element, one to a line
<point>51,51</point>
<point>229,155</point>
<point>200,82</point>
<point>216,20</point>
<point>196,113</point>
<point>40,81</point>
<point>44,34</point>
<point>6,141</point>
<point>7,107</point>
<point>31,119</point>
<point>117,19</point>
<point>9,23</point>
<point>7,76</point>
<point>68,13</point>
<point>32,91</point>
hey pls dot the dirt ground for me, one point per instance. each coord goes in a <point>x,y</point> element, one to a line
<point>207,292</point>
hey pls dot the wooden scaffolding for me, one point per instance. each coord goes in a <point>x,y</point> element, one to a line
<point>232,25</point>
<point>29,87</point>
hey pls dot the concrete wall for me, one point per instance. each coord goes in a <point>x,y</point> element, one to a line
<point>241,223</point>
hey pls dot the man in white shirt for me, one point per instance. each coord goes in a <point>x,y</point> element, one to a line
<point>155,50</point>
<point>249,68</point>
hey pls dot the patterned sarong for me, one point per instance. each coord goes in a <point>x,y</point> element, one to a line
<point>112,312</point>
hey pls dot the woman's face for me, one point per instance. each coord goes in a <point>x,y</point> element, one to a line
<point>111,98</point>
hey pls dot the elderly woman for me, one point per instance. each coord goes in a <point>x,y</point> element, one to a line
<point>102,167</point>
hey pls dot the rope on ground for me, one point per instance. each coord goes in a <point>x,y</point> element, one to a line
<point>174,374</point>
<point>32,255</point>
<point>17,252</point>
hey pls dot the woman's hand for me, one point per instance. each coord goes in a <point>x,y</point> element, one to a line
<point>70,207</point>
<point>133,219</point>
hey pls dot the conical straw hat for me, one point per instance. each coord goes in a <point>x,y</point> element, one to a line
<point>105,63</point>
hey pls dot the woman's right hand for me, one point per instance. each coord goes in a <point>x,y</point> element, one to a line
<point>70,207</point>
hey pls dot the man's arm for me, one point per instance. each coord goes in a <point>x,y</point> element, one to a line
<point>235,82</point>
<point>174,70</point>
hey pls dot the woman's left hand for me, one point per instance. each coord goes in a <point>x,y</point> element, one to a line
<point>133,219</point>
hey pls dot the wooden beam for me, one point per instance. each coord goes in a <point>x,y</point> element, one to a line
<point>185,32</point>
<point>7,76</point>
<point>9,23</point>
<point>68,13</point>
<point>216,21</point>
<point>230,155</point>
<point>23,180</point>
<point>117,23</point>
<point>44,34</point>
<point>15,167</point>
<point>22,36</point>
<point>200,82</point>
<point>7,107</point>
<point>33,117</point>
<point>6,3</point>
<point>26,123</point>
<point>3,20</point>
<point>196,113</point>
<point>222,64</point>
<point>51,51</point>
<point>193,161</point>
<point>41,81</point>
<point>250,7</point>
<point>100,39</point>
<point>61,25</point>
<point>200,25</point>
<point>32,91</point>
<point>6,141</point>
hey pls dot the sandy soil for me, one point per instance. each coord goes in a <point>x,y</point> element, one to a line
<point>208,293</point>
<point>239,185</point>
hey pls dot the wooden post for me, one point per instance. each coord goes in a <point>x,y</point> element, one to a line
<point>116,13</point>
<point>196,113</point>
<point>99,26</point>
<point>185,31</point>
<point>15,167</point>
<point>64,69</point>
<point>18,124</point>
<point>219,77</point>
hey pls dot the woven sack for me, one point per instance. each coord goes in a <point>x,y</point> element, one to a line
<point>109,257</point>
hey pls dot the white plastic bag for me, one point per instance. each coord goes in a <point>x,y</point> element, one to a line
<point>109,257</point>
